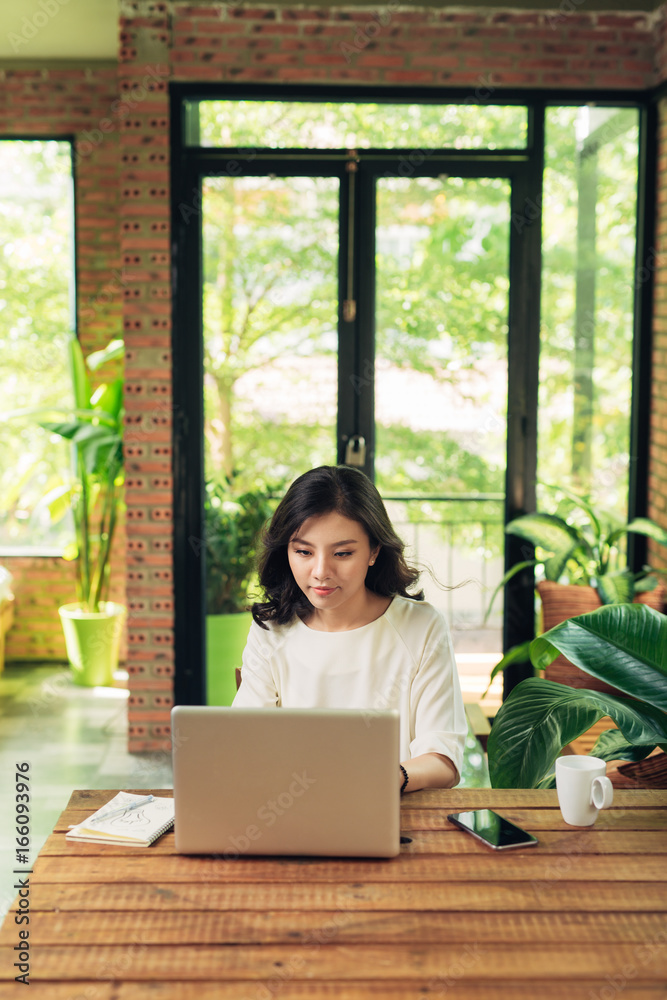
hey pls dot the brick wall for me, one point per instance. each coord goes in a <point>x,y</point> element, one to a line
<point>41,585</point>
<point>410,46</point>
<point>124,224</point>
<point>660,43</point>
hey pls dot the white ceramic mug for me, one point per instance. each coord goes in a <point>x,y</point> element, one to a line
<point>583,788</point>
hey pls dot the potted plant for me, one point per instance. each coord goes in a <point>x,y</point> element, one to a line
<point>583,566</point>
<point>624,645</point>
<point>92,492</point>
<point>232,524</point>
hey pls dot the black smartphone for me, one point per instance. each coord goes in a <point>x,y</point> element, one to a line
<point>492,829</point>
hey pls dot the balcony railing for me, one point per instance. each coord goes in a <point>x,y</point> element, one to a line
<point>457,539</point>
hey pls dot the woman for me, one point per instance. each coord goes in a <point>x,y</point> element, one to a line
<point>339,629</point>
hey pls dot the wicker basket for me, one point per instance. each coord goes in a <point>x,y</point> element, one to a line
<point>561,601</point>
<point>648,773</point>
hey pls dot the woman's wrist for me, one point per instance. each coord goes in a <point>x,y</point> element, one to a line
<point>405,777</point>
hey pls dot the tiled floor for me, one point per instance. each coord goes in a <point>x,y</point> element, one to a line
<point>72,737</point>
<point>76,737</point>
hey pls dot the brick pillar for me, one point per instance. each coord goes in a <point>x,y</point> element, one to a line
<point>658,457</point>
<point>144,242</point>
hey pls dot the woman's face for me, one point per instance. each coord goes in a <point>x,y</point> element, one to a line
<point>329,556</point>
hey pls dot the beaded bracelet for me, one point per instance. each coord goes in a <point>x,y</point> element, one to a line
<point>405,778</point>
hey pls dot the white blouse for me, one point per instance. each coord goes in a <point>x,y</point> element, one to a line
<point>403,660</point>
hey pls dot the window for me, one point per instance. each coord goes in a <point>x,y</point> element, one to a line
<point>485,316</point>
<point>351,125</point>
<point>589,245</point>
<point>36,312</point>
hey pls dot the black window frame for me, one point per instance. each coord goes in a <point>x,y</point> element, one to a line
<point>525,167</point>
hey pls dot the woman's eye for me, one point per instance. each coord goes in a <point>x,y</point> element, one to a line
<point>302,552</point>
<point>343,553</point>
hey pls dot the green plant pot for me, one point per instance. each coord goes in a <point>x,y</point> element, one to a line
<point>226,637</point>
<point>92,640</point>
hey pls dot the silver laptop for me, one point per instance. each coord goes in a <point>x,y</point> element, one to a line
<point>286,781</point>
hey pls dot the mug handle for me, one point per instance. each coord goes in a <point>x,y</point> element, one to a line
<point>602,792</point>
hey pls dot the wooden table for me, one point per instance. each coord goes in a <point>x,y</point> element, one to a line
<point>581,916</point>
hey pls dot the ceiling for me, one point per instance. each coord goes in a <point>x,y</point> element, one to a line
<point>88,29</point>
<point>58,29</point>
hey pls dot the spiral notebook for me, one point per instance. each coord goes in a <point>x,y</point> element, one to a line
<point>138,826</point>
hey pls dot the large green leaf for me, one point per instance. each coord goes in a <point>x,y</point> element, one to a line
<point>109,398</point>
<point>622,644</point>
<point>554,566</point>
<point>100,449</point>
<point>102,456</point>
<point>517,654</point>
<point>551,533</point>
<point>78,373</point>
<point>616,588</point>
<point>642,526</point>
<point>73,430</point>
<point>540,717</point>
<point>512,572</point>
<point>612,745</point>
<point>114,349</point>
<point>581,503</point>
<point>58,501</point>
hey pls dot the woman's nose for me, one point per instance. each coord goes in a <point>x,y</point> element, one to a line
<point>321,567</point>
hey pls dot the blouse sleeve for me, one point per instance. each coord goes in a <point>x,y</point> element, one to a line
<point>258,688</point>
<point>438,721</point>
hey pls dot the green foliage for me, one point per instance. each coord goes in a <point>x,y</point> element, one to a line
<point>441,291</point>
<point>623,645</point>
<point>270,287</point>
<point>442,274</point>
<point>352,125</point>
<point>581,543</point>
<point>585,390</point>
<point>232,526</point>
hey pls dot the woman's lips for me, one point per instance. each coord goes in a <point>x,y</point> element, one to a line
<point>323,591</point>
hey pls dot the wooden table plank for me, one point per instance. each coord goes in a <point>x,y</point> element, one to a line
<point>533,798</point>
<point>566,842</point>
<point>562,841</point>
<point>490,896</point>
<point>483,865</point>
<point>360,927</point>
<point>436,819</point>
<point>335,962</point>
<point>539,819</point>
<point>214,990</point>
<point>534,820</point>
<point>447,798</point>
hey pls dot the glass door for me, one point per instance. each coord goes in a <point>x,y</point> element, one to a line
<point>436,392</point>
<point>344,294</point>
<point>270,313</point>
<point>440,379</point>
<point>270,304</point>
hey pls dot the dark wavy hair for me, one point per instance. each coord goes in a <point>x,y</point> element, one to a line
<point>329,488</point>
